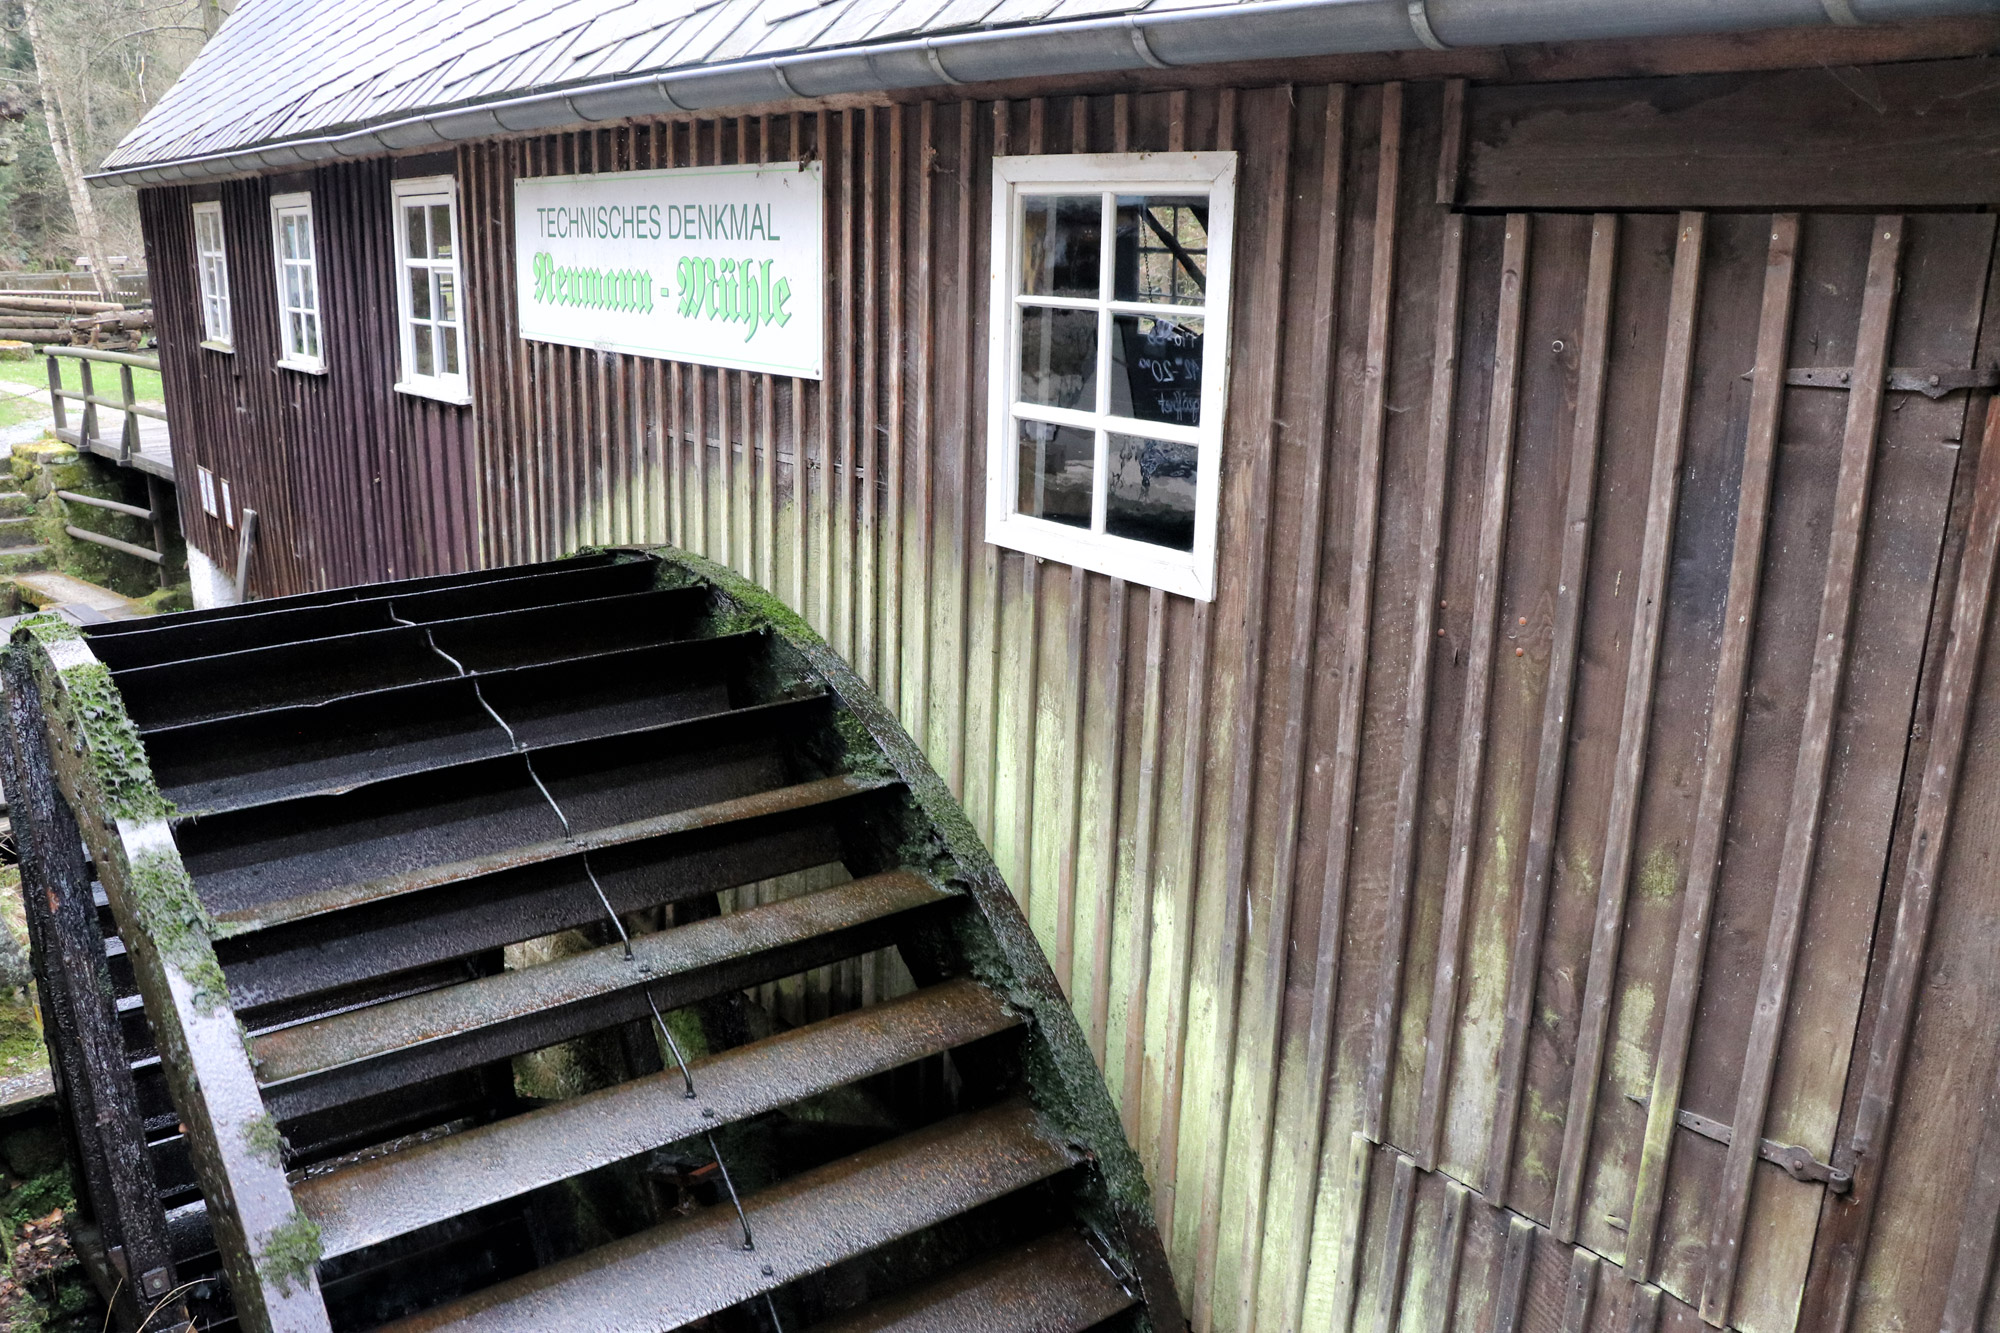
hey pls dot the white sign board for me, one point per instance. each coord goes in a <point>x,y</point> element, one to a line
<point>719,265</point>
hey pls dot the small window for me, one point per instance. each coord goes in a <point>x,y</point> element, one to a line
<point>207,484</point>
<point>212,270</point>
<point>1104,434</point>
<point>298,283</point>
<point>428,294</point>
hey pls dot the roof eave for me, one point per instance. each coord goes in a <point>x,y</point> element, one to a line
<point>1263,29</point>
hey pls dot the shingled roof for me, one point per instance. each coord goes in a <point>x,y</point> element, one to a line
<point>290,82</point>
<point>283,69</point>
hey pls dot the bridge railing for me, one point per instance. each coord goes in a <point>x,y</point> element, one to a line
<point>86,437</point>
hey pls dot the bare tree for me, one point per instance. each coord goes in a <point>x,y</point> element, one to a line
<point>64,138</point>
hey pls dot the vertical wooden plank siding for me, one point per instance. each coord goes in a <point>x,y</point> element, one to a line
<point>1524,965</point>
<point>352,481</point>
<point>1753,508</point>
<point>1829,672</point>
<point>1300,674</point>
<point>1364,876</point>
<point>1648,613</point>
<point>1439,1039</point>
<point>1270,215</point>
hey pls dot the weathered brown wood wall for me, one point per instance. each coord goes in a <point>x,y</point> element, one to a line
<point>352,482</point>
<point>1536,801</point>
<point>1524,778</point>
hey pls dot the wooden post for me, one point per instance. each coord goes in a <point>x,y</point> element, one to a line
<point>156,499</point>
<point>89,435</point>
<point>128,439</point>
<point>56,392</point>
<point>246,540</point>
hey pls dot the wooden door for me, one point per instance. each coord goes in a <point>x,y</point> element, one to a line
<point>1734,445</point>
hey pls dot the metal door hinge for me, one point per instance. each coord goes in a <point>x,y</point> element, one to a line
<point>1902,379</point>
<point>1798,1162</point>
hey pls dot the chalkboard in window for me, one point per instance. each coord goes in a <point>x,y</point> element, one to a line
<point>1156,370</point>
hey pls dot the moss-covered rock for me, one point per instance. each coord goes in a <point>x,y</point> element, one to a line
<point>45,467</point>
<point>160,601</point>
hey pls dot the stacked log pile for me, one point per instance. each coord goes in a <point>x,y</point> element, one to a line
<point>115,330</point>
<point>43,318</point>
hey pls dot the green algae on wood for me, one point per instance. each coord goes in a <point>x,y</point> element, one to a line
<point>89,705</point>
<point>261,1136</point>
<point>290,1252</point>
<point>163,896</point>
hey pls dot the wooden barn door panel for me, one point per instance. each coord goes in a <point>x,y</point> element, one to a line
<point>1593,1076</point>
<point>1829,884</point>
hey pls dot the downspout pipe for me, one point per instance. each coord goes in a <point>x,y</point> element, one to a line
<point>1170,39</point>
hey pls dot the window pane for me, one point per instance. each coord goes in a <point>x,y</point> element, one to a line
<point>1055,478</point>
<point>420,341</point>
<point>295,339</point>
<point>309,284</point>
<point>1060,245</point>
<point>1162,252</point>
<point>449,336</point>
<point>305,237</point>
<point>1059,358</point>
<point>420,293</point>
<point>413,228</point>
<point>295,291</point>
<point>1156,369</point>
<point>1150,495</point>
<point>312,334</point>
<point>441,231</point>
<point>447,294</point>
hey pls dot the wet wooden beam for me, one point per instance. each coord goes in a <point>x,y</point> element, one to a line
<point>1515,1262</point>
<point>1732,676</point>
<point>1108,805</point>
<point>1579,507</point>
<point>1831,1294</point>
<point>1271,215</point>
<point>1301,675</point>
<point>1802,823</point>
<point>1145,832</point>
<point>1972,1267</point>
<point>1441,1030</point>
<point>916,602</point>
<point>1396,1245</point>
<point>1104,914</point>
<point>1634,725</point>
<point>1580,1295</point>
<point>965,342</point>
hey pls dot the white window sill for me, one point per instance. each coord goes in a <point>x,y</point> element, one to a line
<point>214,345</point>
<point>438,392</point>
<point>1176,572</point>
<point>303,367</point>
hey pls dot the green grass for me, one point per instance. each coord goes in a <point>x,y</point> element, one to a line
<point>104,377</point>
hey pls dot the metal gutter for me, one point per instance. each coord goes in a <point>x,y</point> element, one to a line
<point>1260,30</point>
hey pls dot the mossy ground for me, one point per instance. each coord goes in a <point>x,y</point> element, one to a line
<point>22,1051</point>
<point>42,1286</point>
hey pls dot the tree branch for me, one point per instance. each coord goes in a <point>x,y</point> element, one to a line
<point>111,45</point>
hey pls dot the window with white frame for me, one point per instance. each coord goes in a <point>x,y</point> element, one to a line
<point>428,293</point>
<point>212,271</point>
<point>1108,361</point>
<point>298,283</point>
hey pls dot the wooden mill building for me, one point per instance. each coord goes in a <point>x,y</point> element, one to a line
<point>1499,754</point>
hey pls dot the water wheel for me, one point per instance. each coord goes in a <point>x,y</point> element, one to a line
<point>575,946</point>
